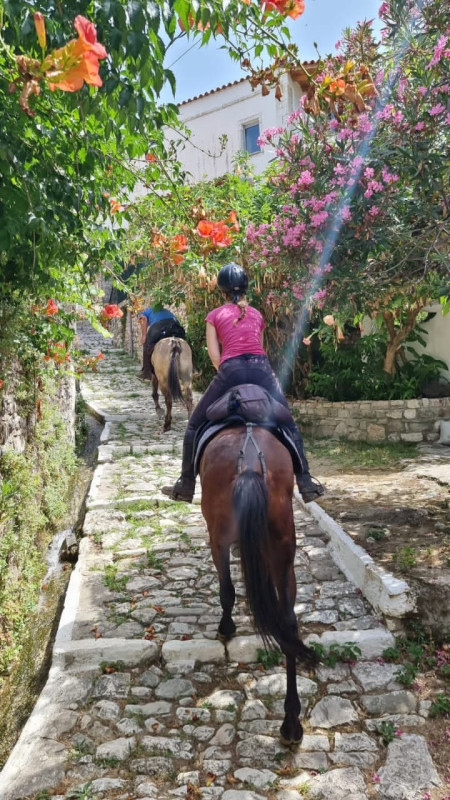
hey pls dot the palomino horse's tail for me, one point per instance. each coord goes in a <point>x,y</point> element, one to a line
<point>173,378</point>
<point>250,501</point>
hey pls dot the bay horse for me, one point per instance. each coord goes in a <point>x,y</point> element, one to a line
<point>172,373</point>
<point>247,498</point>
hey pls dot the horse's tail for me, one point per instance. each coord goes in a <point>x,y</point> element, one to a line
<point>173,379</point>
<point>250,502</point>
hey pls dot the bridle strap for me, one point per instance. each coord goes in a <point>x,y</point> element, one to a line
<point>250,438</point>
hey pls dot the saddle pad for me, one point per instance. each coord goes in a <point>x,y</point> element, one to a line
<point>251,402</point>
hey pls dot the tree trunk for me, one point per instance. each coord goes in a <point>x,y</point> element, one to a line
<point>398,335</point>
<point>389,365</point>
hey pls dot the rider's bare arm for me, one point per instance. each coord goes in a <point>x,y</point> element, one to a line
<point>143,325</point>
<point>212,344</point>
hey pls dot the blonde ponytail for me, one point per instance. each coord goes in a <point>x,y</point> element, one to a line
<point>242,304</point>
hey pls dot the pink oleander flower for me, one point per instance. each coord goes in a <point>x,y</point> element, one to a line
<point>388,177</point>
<point>374,211</point>
<point>439,50</point>
<point>422,90</point>
<point>386,112</point>
<point>294,116</point>
<point>436,110</point>
<point>375,778</point>
<point>318,219</point>
<point>373,186</point>
<point>345,133</point>
<point>419,126</point>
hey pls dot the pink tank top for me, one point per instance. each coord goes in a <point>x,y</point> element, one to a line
<point>244,337</point>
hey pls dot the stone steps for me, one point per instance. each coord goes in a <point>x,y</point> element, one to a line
<point>143,702</point>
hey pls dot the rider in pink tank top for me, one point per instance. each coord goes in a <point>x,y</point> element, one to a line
<point>237,335</point>
<point>234,341</point>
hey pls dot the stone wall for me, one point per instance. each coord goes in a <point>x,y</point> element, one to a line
<point>127,334</point>
<point>16,425</point>
<point>373,420</point>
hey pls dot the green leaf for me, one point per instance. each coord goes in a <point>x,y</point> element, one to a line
<point>134,44</point>
<point>125,96</point>
<point>170,77</point>
<point>136,15</point>
<point>100,329</point>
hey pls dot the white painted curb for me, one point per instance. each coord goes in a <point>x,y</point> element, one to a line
<point>386,593</point>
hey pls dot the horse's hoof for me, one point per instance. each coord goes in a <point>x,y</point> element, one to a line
<point>291,739</point>
<point>226,634</point>
<point>225,637</point>
<point>291,743</point>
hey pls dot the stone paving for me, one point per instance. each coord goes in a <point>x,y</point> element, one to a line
<point>144,703</point>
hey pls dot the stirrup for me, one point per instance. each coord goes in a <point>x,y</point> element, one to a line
<point>177,492</point>
<point>312,491</point>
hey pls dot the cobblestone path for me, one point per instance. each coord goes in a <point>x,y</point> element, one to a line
<point>142,701</point>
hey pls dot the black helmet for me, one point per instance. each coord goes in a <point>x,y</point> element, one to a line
<point>232,278</point>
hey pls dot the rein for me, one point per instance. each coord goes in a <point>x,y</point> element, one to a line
<point>250,438</point>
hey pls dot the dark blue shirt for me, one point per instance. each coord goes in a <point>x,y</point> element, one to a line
<point>155,316</point>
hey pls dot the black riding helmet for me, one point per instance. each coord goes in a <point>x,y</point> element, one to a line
<point>232,278</point>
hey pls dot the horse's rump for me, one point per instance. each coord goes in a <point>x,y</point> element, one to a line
<point>166,350</point>
<point>172,365</point>
<point>218,472</point>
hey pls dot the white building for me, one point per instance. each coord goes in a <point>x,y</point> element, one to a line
<point>230,119</point>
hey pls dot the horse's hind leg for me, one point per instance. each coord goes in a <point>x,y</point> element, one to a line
<point>155,394</point>
<point>188,400</point>
<point>227,594</point>
<point>291,730</point>
<point>168,417</point>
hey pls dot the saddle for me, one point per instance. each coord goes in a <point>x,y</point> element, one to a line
<point>242,404</point>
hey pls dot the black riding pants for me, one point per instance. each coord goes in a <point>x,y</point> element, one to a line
<point>242,369</point>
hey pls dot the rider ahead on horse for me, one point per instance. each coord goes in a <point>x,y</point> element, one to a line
<point>156,325</point>
<point>234,335</point>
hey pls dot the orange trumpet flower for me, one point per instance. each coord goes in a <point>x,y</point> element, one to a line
<point>39,24</point>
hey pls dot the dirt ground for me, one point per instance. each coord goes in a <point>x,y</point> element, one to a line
<point>399,512</point>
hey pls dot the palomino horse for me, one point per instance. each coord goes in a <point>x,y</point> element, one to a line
<point>247,484</point>
<point>172,365</point>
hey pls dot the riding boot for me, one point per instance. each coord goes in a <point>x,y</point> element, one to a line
<point>310,488</point>
<point>184,487</point>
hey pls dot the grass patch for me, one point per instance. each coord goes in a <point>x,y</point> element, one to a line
<point>355,456</point>
<point>112,580</point>
<point>347,653</point>
<point>269,658</point>
<point>417,652</point>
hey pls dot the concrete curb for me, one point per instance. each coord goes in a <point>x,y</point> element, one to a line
<point>386,593</point>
